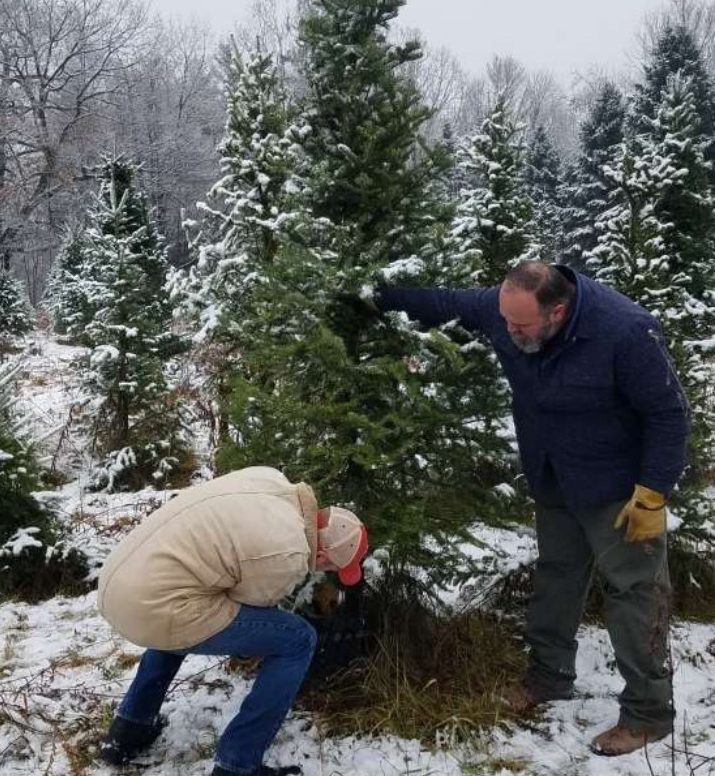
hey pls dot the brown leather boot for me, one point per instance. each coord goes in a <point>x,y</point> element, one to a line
<point>620,740</point>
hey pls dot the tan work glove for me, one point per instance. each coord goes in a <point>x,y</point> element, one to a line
<point>643,515</point>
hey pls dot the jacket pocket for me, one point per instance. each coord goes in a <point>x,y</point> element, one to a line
<point>585,388</point>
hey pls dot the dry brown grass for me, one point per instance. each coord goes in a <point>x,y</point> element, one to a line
<point>430,676</point>
<point>80,748</point>
<point>123,661</point>
<point>73,658</point>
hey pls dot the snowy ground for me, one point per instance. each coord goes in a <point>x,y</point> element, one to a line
<point>62,670</point>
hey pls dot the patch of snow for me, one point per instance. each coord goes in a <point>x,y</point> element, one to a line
<point>62,669</point>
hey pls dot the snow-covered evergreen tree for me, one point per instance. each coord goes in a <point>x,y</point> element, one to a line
<point>586,188</point>
<point>492,229</point>
<point>71,288</point>
<point>129,335</point>
<point>250,211</point>
<point>455,179</point>
<point>15,311</point>
<point>657,245</point>
<point>32,563</point>
<point>542,175</point>
<point>674,51</point>
<point>18,470</point>
<point>372,177</point>
<point>383,417</point>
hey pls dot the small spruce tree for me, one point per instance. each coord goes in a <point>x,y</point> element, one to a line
<point>676,51</point>
<point>586,188</point>
<point>492,229</point>
<point>542,177</point>
<point>248,213</point>
<point>34,564</point>
<point>15,311</point>
<point>138,427</point>
<point>72,295</point>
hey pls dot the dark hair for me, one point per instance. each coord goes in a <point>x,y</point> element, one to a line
<point>549,286</point>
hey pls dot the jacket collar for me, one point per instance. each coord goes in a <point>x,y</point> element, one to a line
<point>583,321</point>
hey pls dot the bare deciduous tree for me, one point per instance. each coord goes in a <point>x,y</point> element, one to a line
<point>58,64</point>
<point>457,98</point>
<point>169,116</point>
<point>507,80</point>
<point>696,16</point>
<point>273,28</point>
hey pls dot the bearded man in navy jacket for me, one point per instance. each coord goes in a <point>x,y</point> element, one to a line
<point>602,424</point>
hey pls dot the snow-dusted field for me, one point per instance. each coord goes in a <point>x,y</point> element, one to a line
<point>62,670</point>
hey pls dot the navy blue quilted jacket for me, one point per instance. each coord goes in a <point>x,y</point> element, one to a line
<point>600,402</point>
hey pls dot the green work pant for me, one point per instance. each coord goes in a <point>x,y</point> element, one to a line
<point>637,591</point>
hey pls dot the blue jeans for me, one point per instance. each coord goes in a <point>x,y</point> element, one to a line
<point>284,640</point>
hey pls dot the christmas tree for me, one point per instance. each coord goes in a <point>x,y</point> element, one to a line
<point>123,271</point>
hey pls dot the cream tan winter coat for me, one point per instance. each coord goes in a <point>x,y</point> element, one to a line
<point>248,537</point>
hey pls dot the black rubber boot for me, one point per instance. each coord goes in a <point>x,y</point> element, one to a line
<point>126,739</point>
<point>263,770</point>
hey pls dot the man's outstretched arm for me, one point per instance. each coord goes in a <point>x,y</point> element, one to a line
<point>474,308</point>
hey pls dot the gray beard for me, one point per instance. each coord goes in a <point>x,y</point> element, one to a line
<point>536,344</point>
<point>529,346</point>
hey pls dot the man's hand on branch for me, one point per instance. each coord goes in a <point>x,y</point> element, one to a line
<point>349,311</point>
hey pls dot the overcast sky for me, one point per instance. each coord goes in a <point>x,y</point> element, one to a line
<point>564,36</point>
